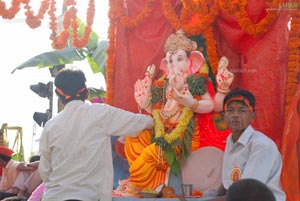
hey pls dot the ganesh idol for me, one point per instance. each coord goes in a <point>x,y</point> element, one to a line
<point>185,107</point>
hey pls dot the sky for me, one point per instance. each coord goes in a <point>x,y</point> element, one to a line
<point>19,43</point>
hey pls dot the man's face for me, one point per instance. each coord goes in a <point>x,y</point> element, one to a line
<point>238,117</point>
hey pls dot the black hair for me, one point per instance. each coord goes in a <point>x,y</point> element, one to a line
<point>34,158</point>
<point>249,190</point>
<point>71,81</point>
<point>5,158</point>
<point>240,92</point>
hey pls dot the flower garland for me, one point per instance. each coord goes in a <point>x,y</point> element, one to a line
<point>11,12</point>
<point>32,20</point>
<point>70,21</point>
<point>176,133</point>
<point>203,26</point>
<point>238,9</point>
<point>174,20</point>
<point>110,61</point>
<point>293,59</point>
<point>211,50</point>
<point>110,64</point>
<point>199,6</point>
<point>136,21</point>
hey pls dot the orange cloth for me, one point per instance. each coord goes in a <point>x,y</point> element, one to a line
<point>134,146</point>
<point>290,151</point>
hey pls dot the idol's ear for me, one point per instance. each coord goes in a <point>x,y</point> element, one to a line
<point>197,60</point>
<point>163,66</point>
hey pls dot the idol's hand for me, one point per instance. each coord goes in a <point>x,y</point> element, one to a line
<point>224,76</point>
<point>177,81</point>
<point>184,98</point>
<point>142,90</point>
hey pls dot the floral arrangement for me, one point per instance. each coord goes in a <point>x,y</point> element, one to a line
<point>70,23</point>
<point>293,59</point>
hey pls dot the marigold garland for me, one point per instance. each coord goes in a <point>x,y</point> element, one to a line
<point>175,133</point>
<point>238,9</point>
<point>110,61</point>
<point>174,20</point>
<point>32,20</point>
<point>10,13</point>
<point>70,21</point>
<point>293,59</point>
<point>136,21</point>
<point>203,26</point>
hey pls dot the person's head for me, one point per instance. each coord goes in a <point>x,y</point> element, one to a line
<point>5,155</point>
<point>34,158</point>
<point>70,85</point>
<point>249,190</point>
<point>239,106</point>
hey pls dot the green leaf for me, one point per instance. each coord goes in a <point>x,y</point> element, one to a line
<point>53,58</point>
<point>93,42</point>
<point>95,93</point>
<point>100,55</point>
<point>187,140</point>
<point>175,167</point>
<point>197,84</point>
<point>170,156</point>
<point>94,66</point>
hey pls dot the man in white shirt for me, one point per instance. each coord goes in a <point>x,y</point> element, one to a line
<point>249,153</point>
<point>76,157</point>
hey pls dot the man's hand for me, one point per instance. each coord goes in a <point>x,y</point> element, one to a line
<point>28,167</point>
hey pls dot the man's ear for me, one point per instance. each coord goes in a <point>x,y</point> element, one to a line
<point>87,94</point>
<point>253,116</point>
